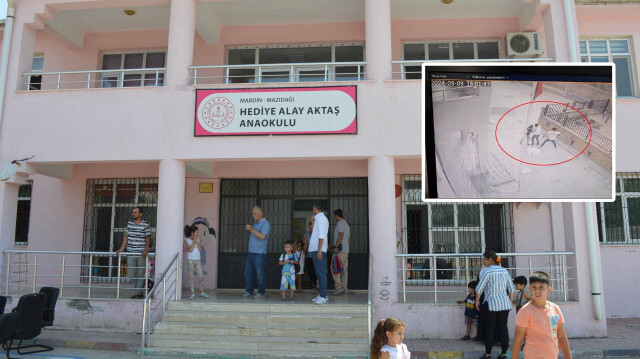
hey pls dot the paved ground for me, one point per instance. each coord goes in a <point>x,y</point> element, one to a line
<point>623,342</point>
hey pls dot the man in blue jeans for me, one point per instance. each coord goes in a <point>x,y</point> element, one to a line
<point>318,245</point>
<point>257,256</point>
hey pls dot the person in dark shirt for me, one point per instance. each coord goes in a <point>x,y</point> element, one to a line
<point>470,311</point>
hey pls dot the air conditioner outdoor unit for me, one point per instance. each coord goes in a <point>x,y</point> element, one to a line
<point>524,44</point>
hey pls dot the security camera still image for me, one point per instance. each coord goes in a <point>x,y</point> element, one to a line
<point>522,139</point>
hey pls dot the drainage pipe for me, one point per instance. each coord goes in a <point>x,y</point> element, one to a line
<point>593,260</point>
<point>571,35</point>
<point>6,45</point>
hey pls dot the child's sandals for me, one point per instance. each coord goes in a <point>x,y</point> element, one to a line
<point>282,300</point>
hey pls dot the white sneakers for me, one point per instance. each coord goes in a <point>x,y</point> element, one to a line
<point>204,295</point>
<point>320,300</point>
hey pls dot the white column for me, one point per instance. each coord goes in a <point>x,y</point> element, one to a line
<point>378,39</point>
<point>8,214</point>
<point>182,27</point>
<point>555,27</point>
<point>382,231</point>
<point>171,189</point>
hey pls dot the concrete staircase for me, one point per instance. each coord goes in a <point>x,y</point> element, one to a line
<point>258,328</point>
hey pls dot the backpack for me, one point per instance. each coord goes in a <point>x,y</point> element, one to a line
<point>529,129</point>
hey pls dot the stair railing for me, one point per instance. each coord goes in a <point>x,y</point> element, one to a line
<point>165,289</point>
<point>369,306</point>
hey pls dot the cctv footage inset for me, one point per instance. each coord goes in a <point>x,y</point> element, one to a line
<point>518,132</point>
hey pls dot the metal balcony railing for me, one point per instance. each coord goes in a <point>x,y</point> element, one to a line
<point>412,69</point>
<point>79,275</point>
<point>443,278</point>
<point>74,80</point>
<point>166,290</point>
<point>278,73</point>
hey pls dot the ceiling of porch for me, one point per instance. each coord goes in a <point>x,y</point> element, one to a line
<point>108,16</point>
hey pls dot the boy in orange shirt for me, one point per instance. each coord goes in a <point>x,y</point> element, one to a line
<point>541,323</point>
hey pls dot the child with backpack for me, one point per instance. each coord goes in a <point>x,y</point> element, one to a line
<point>288,260</point>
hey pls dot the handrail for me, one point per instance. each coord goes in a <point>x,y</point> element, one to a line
<point>90,271</point>
<point>149,315</point>
<point>404,63</point>
<point>118,73</point>
<point>430,272</point>
<point>261,73</point>
<point>427,255</point>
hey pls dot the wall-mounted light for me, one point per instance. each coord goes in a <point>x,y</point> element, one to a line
<point>132,12</point>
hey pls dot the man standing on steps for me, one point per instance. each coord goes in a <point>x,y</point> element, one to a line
<point>257,256</point>
<point>341,241</point>
<point>137,239</point>
<point>318,248</point>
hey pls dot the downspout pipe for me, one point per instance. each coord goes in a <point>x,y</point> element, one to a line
<point>6,45</point>
<point>571,35</point>
<point>593,260</point>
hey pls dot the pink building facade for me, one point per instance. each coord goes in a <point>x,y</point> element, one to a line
<point>106,102</point>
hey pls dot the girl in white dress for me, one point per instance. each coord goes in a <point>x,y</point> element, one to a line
<point>387,340</point>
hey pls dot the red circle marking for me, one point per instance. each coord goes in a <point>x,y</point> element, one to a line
<point>548,164</point>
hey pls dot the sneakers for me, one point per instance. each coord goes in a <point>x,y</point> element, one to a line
<point>466,337</point>
<point>259,296</point>
<point>192,297</point>
<point>321,300</point>
<point>338,290</point>
<point>315,299</point>
<point>282,300</point>
<point>204,295</point>
<point>246,295</point>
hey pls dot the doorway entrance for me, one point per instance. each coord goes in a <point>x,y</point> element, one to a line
<point>286,204</point>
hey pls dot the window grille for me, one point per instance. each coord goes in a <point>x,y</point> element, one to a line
<point>619,221</point>
<point>108,207</point>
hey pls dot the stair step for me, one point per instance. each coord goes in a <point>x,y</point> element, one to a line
<point>242,318</point>
<point>179,351</point>
<point>194,342</point>
<point>250,307</point>
<point>259,330</point>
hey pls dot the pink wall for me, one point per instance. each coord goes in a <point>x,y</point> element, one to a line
<point>619,21</point>
<point>620,289</point>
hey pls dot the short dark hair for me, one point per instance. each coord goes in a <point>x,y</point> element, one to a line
<point>540,277</point>
<point>490,254</point>
<point>139,209</point>
<point>338,212</point>
<point>189,229</point>
<point>472,284</point>
<point>520,280</point>
<point>288,242</point>
<point>318,206</point>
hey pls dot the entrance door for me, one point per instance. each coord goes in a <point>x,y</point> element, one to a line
<point>286,203</point>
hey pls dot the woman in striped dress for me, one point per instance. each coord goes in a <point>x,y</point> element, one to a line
<point>495,283</point>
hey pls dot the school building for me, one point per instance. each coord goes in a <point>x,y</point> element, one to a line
<point>131,103</point>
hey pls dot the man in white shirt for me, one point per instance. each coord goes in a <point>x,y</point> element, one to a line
<point>551,136</point>
<point>318,245</point>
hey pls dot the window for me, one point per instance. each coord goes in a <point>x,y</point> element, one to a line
<point>24,209</point>
<point>133,61</point>
<point>617,51</point>
<point>108,207</point>
<point>37,65</point>
<point>619,221</point>
<point>452,228</point>
<point>296,63</point>
<point>447,50</point>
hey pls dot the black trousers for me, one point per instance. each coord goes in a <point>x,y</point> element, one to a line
<point>308,267</point>
<point>496,321</point>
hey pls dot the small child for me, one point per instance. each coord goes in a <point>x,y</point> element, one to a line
<point>387,340</point>
<point>194,247</point>
<point>541,323</point>
<point>288,259</point>
<point>300,272</point>
<point>470,312</point>
<point>521,297</point>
